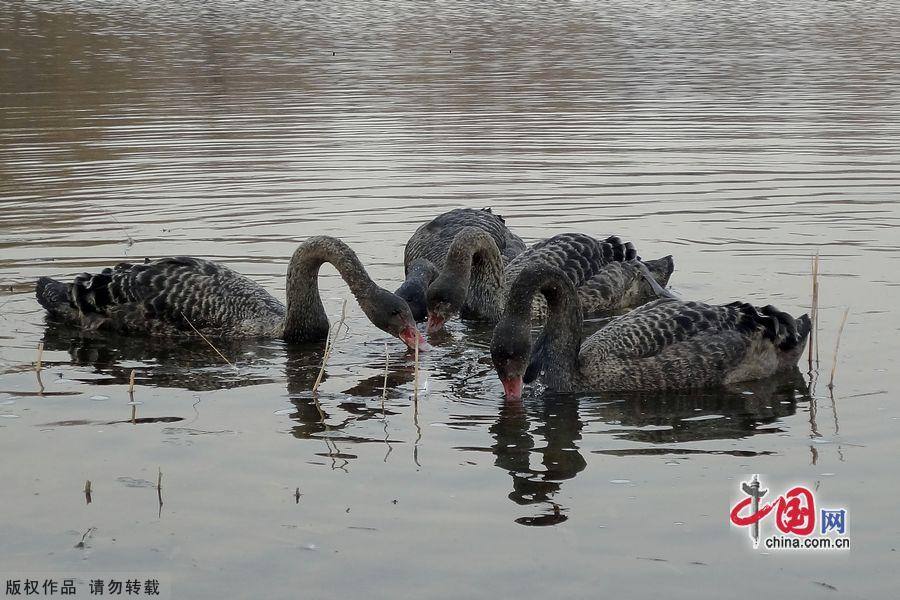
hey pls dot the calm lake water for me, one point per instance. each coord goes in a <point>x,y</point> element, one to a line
<point>741,137</point>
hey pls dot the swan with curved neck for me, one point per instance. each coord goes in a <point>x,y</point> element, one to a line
<point>173,296</point>
<point>426,251</point>
<point>474,282</point>
<point>665,344</point>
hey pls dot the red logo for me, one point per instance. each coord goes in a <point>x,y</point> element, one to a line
<point>795,511</point>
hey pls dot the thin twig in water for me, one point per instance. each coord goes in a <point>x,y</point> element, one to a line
<point>837,345</point>
<point>814,309</point>
<point>87,533</point>
<point>387,361</point>
<point>208,342</point>
<point>39,365</point>
<point>159,490</point>
<point>330,341</point>
<point>416,373</point>
<point>87,491</point>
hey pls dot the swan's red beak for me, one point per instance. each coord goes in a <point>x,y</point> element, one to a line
<point>435,323</point>
<point>513,388</point>
<point>410,334</point>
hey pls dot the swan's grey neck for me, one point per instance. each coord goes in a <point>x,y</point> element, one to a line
<point>474,263</point>
<point>560,339</point>
<point>306,319</point>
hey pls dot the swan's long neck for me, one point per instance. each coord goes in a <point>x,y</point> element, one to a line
<point>556,351</point>
<point>306,319</point>
<point>474,262</point>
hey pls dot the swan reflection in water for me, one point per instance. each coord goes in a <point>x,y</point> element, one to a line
<point>549,426</point>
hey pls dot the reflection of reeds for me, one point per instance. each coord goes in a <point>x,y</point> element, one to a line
<point>38,365</point>
<point>208,342</point>
<point>330,341</point>
<point>416,372</point>
<point>814,312</point>
<point>387,362</point>
<point>159,490</point>
<point>837,344</point>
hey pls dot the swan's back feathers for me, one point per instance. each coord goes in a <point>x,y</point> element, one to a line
<point>580,257</point>
<point>658,325</point>
<point>432,240</point>
<point>671,344</point>
<point>168,295</point>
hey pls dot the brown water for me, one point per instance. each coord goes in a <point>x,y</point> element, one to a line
<point>740,137</point>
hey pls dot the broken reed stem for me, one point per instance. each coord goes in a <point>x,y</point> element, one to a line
<point>330,340</point>
<point>159,479</point>
<point>837,345</point>
<point>814,308</point>
<point>38,366</point>
<point>416,372</point>
<point>387,361</point>
<point>131,385</point>
<point>208,342</point>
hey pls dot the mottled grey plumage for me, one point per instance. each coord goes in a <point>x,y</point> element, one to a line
<point>601,270</point>
<point>665,344</point>
<point>172,296</point>
<point>426,251</point>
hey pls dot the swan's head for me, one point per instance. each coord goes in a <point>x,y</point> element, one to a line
<point>419,276</point>
<point>391,313</point>
<point>510,353</point>
<point>444,299</point>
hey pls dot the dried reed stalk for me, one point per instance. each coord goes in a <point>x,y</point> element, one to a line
<point>131,385</point>
<point>814,310</point>
<point>837,344</point>
<point>330,341</point>
<point>197,331</point>
<point>159,478</point>
<point>387,362</point>
<point>87,491</point>
<point>39,365</point>
<point>416,372</point>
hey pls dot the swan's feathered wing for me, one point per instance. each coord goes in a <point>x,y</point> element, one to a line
<point>161,296</point>
<point>671,344</point>
<point>621,284</point>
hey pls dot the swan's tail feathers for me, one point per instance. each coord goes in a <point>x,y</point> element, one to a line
<point>787,334</point>
<point>91,293</point>
<point>614,249</point>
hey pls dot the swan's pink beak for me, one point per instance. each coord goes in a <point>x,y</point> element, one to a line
<point>435,323</point>
<point>513,388</point>
<point>410,334</point>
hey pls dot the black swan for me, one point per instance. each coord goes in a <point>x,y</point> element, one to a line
<point>607,273</point>
<point>172,296</point>
<point>427,249</point>
<point>664,345</point>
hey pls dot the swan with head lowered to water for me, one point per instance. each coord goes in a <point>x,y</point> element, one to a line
<point>667,344</point>
<point>177,295</point>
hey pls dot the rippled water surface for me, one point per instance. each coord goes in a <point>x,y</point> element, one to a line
<point>741,137</point>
